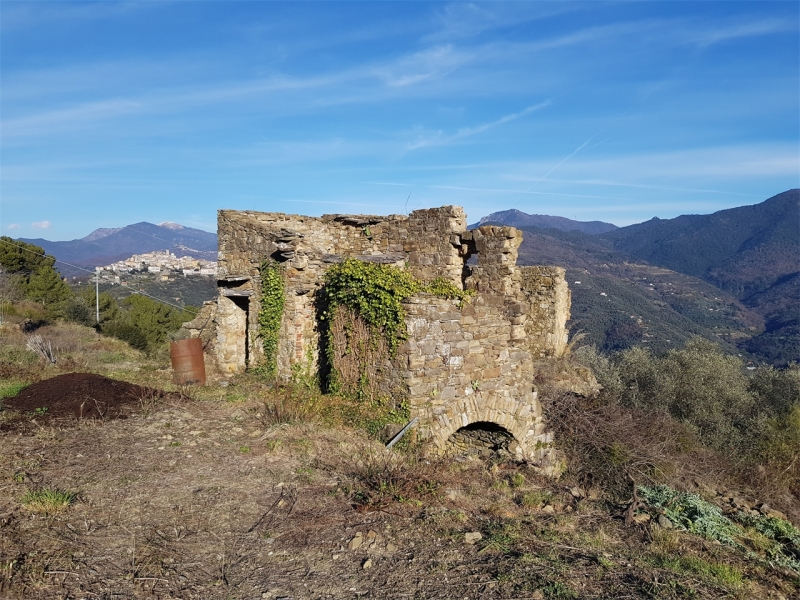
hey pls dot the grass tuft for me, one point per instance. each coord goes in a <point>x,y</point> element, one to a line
<point>48,500</point>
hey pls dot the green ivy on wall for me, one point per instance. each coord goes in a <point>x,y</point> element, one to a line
<point>374,293</point>
<point>270,315</point>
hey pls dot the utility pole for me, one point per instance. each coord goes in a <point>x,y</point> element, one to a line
<point>97,292</point>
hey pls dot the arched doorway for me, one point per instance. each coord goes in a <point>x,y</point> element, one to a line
<point>482,439</point>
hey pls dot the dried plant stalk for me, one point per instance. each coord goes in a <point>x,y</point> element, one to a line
<point>41,347</point>
<point>358,354</point>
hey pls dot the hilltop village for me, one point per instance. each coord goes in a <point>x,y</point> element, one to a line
<point>162,262</point>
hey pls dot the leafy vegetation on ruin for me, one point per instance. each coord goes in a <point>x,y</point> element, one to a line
<point>365,320</point>
<point>270,315</point>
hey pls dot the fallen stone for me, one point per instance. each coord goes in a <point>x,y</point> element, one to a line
<point>472,537</point>
<point>356,542</point>
<point>776,514</point>
<point>549,509</point>
<point>577,493</point>
<point>739,502</point>
<point>641,518</point>
<point>367,564</point>
<point>664,522</point>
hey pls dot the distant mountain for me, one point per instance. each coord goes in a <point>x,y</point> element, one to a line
<point>748,259</point>
<point>100,233</point>
<point>752,252</point>
<point>517,218</point>
<point>104,246</point>
<point>741,249</point>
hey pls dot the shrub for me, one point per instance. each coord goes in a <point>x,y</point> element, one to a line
<point>144,323</point>
<point>698,385</point>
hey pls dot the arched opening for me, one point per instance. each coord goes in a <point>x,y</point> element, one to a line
<point>481,439</point>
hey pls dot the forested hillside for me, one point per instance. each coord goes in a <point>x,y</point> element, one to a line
<point>732,276</point>
<point>619,302</point>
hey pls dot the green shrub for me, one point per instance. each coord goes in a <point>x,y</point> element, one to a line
<point>144,323</point>
<point>698,385</point>
<point>375,292</point>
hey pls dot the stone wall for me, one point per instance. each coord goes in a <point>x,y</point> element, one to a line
<point>548,295</point>
<point>458,365</point>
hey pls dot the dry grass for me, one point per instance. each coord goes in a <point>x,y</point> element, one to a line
<point>206,499</point>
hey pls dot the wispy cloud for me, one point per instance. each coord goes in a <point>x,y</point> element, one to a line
<point>662,170</point>
<point>462,20</point>
<point>41,225</point>
<point>70,118</point>
<point>439,138</point>
<point>13,226</point>
<point>523,192</point>
<point>641,186</point>
<point>716,35</point>
<point>424,65</point>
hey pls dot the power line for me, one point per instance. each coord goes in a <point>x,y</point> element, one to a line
<point>94,272</point>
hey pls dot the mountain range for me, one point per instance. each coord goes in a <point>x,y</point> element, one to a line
<point>733,276</point>
<point>517,218</point>
<point>105,246</point>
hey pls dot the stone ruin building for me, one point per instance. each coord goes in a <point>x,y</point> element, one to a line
<point>467,373</point>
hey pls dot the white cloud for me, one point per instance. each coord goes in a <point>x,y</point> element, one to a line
<point>41,225</point>
<point>13,226</point>
<point>438,138</point>
<point>460,20</point>
<point>740,30</point>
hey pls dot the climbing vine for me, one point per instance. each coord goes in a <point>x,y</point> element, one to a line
<point>364,316</point>
<point>374,292</point>
<point>444,288</point>
<point>270,315</point>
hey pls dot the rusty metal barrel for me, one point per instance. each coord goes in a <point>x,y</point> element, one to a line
<point>188,366</point>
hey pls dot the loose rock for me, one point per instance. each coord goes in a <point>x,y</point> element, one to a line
<point>356,542</point>
<point>472,537</point>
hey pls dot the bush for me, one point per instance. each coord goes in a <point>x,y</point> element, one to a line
<point>752,419</point>
<point>144,323</point>
<point>698,385</point>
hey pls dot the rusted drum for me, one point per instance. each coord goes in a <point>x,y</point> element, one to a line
<point>188,366</point>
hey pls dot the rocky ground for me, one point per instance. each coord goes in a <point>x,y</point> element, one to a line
<point>204,494</point>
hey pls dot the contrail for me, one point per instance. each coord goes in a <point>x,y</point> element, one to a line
<point>574,152</point>
<point>586,143</point>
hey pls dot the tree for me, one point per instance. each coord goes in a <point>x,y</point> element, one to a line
<point>34,274</point>
<point>20,258</point>
<point>46,286</point>
<point>144,323</point>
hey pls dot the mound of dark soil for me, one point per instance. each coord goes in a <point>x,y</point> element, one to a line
<point>79,396</point>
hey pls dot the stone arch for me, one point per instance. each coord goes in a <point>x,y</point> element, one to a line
<point>476,409</point>
<point>481,438</point>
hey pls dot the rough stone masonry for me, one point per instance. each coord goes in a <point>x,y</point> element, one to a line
<point>458,367</point>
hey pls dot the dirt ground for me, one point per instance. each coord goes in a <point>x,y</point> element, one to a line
<point>194,501</point>
<point>200,500</point>
<point>76,396</point>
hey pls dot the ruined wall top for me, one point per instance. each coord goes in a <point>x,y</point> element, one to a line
<point>431,243</point>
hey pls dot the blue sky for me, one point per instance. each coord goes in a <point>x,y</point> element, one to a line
<point>113,113</point>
